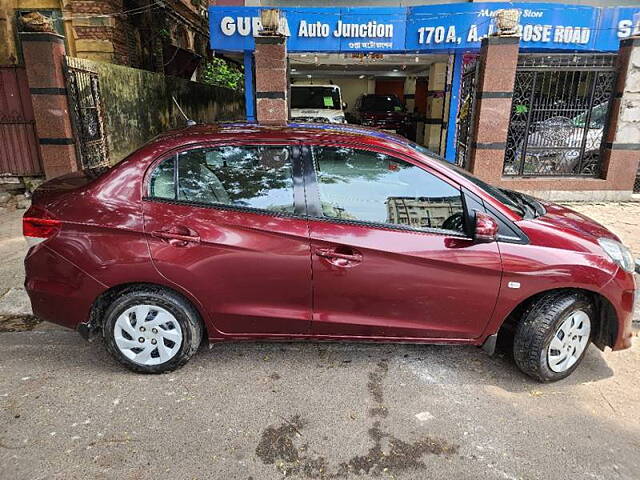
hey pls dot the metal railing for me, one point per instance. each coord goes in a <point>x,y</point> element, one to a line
<point>559,115</point>
<point>86,113</point>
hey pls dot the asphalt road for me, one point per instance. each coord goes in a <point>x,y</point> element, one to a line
<point>310,410</point>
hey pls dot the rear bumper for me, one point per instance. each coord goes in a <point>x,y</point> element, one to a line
<point>59,291</point>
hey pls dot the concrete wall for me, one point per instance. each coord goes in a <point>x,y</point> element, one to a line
<point>137,104</point>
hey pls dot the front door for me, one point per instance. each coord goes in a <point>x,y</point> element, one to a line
<point>389,254</point>
<point>225,224</point>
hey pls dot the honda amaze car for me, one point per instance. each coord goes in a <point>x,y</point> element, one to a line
<point>317,232</point>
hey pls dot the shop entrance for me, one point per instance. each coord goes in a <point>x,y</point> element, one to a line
<point>404,93</point>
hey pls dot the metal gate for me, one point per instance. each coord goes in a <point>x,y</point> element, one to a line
<point>19,152</point>
<point>86,114</point>
<point>559,115</point>
<point>466,112</point>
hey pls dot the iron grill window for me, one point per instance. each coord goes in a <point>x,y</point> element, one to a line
<point>559,115</point>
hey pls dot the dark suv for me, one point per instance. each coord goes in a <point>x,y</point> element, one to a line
<point>385,112</point>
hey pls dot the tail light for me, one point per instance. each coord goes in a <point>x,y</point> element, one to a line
<point>39,225</point>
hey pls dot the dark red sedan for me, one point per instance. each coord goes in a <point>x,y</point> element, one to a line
<point>241,232</point>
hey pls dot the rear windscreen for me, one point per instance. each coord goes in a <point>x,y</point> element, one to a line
<point>382,103</point>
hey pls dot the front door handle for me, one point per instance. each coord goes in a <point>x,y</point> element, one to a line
<point>348,257</point>
<point>177,236</point>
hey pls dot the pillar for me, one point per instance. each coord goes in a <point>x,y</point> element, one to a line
<point>454,105</point>
<point>271,80</point>
<point>494,91</point>
<point>43,58</point>
<point>436,92</point>
<point>371,86</point>
<point>621,149</point>
<point>249,94</point>
<point>410,94</point>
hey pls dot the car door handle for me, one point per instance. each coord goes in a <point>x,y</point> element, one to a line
<point>332,254</point>
<point>176,239</point>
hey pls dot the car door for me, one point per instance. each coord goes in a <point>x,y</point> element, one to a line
<point>390,255</point>
<point>226,223</point>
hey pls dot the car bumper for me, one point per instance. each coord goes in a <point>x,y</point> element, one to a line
<point>621,292</point>
<point>59,291</point>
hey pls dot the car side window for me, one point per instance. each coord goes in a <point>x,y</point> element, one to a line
<point>373,187</point>
<point>163,183</point>
<point>257,177</point>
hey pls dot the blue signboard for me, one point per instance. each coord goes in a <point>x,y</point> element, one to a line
<point>462,26</point>
<point>616,24</point>
<point>429,28</point>
<point>313,29</point>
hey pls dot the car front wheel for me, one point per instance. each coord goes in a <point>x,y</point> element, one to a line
<point>553,335</point>
<point>151,331</point>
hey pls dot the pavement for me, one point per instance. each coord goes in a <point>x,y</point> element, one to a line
<point>255,411</point>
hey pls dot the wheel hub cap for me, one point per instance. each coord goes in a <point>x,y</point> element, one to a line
<point>569,341</point>
<point>147,335</point>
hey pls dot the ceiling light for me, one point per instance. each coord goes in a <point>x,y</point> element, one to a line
<point>308,76</point>
<point>293,69</point>
<point>395,69</point>
<point>361,76</point>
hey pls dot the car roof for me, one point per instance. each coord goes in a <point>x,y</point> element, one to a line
<point>292,131</point>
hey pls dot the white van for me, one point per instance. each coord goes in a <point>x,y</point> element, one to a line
<point>316,104</point>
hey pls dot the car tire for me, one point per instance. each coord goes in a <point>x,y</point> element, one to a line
<point>164,338</point>
<point>553,335</point>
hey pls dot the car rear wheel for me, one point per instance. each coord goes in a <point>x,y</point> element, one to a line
<point>151,331</point>
<point>553,335</point>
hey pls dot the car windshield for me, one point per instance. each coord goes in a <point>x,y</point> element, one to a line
<point>381,103</point>
<point>315,97</point>
<point>519,203</point>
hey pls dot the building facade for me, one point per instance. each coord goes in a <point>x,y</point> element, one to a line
<point>546,124</point>
<point>169,36</point>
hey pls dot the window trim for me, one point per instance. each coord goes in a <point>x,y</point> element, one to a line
<point>314,205</point>
<point>299,201</point>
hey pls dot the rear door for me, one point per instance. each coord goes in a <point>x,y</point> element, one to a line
<point>390,254</point>
<point>226,223</point>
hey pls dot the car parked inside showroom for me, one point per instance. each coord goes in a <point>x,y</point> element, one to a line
<point>385,112</point>
<point>317,232</point>
<point>317,104</point>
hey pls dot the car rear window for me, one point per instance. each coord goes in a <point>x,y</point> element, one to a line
<point>381,103</point>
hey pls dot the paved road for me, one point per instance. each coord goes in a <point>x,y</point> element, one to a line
<point>266,411</point>
<point>269,411</point>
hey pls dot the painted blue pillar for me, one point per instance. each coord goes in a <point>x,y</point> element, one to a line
<point>454,104</point>
<point>249,94</point>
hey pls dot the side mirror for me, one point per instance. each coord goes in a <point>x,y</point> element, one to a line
<point>486,228</point>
